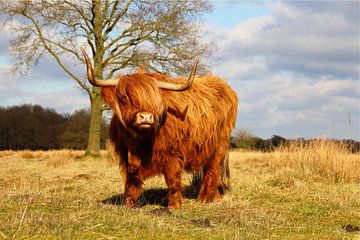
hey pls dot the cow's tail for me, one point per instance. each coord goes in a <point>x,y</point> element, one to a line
<point>224,185</point>
<point>225,175</point>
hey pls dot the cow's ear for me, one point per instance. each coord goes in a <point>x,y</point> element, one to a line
<point>141,70</point>
<point>109,96</point>
<point>179,113</point>
<point>123,98</point>
<point>162,119</point>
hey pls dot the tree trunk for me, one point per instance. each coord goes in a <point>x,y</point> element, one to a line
<point>93,146</point>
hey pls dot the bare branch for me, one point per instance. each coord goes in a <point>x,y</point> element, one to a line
<point>82,15</point>
<point>45,45</point>
<point>121,65</point>
<point>111,16</point>
<point>117,17</point>
<point>159,35</point>
<point>64,48</point>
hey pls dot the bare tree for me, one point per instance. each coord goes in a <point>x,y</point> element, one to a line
<point>159,35</point>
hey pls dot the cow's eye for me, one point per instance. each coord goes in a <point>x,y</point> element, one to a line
<point>122,98</point>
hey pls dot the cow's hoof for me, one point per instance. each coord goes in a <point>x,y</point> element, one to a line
<point>174,205</point>
<point>129,203</point>
<point>218,195</point>
<point>206,199</point>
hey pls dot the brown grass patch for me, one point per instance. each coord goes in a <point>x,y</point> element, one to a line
<point>42,155</point>
<point>57,162</point>
<point>7,153</point>
<point>82,199</point>
<point>324,158</point>
<point>27,154</point>
<point>65,153</point>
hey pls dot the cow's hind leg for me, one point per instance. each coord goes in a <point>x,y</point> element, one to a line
<point>209,190</point>
<point>224,185</point>
<point>172,177</point>
<point>225,175</point>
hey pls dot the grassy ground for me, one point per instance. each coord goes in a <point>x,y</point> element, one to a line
<point>279,195</point>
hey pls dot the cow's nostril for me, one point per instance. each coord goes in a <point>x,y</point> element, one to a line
<point>145,117</point>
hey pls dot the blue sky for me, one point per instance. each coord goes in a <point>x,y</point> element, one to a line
<point>294,65</point>
<point>228,13</point>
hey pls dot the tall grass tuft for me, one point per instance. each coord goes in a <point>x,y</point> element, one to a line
<point>29,154</point>
<point>324,158</point>
<point>41,154</point>
<point>7,153</point>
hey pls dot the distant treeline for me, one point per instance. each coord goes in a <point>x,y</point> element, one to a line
<point>245,140</point>
<point>34,127</point>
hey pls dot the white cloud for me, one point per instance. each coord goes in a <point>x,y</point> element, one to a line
<point>46,84</point>
<point>64,101</point>
<point>295,40</point>
<point>59,92</point>
<point>295,71</point>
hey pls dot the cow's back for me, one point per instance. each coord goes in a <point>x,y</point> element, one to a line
<point>211,113</point>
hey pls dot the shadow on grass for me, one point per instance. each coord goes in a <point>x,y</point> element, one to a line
<point>156,196</point>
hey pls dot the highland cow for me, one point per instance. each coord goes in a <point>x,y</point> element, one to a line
<point>163,125</point>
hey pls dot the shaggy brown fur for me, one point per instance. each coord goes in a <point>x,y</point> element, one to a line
<point>191,132</point>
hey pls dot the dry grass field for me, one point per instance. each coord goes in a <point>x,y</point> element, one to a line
<point>297,192</point>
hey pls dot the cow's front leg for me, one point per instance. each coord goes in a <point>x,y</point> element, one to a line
<point>134,183</point>
<point>173,180</point>
<point>133,189</point>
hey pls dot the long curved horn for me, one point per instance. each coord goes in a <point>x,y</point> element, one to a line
<point>183,86</point>
<point>90,74</point>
